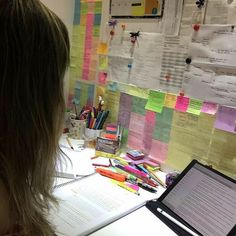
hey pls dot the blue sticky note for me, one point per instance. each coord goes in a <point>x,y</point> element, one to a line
<point>77,12</point>
<point>97,19</point>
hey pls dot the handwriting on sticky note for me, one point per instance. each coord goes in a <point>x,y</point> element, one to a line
<point>155,101</point>
<point>226,118</point>
<point>209,108</point>
<point>195,107</point>
<point>182,103</point>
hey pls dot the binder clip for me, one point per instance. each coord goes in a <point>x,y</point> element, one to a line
<point>200,3</point>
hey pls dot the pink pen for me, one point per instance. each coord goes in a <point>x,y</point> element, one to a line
<point>133,186</point>
<point>134,171</point>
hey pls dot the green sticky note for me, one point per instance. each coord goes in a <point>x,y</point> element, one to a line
<point>138,105</point>
<point>96,31</point>
<point>103,63</point>
<point>195,107</point>
<point>155,101</point>
<point>84,8</point>
<point>98,7</point>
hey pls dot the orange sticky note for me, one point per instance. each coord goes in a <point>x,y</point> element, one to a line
<point>102,49</point>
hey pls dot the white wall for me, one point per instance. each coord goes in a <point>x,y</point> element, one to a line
<point>65,10</point>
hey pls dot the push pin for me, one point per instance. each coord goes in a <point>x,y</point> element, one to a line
<point>181,93</point>
<point>167,77</point>
<point>188,60</point>
<point>196,27</point>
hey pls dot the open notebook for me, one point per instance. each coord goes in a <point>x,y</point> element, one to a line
<point>201,201</point>
<point>90,203</point>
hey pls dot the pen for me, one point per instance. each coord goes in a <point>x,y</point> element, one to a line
<point>147,187</point>
<point>111,174</point>
<point>176,222</point>
<point>126,186</point>
<point>156,178</point>
<point>68,141</point>
<point>135,171</point>
<point>128,176</point>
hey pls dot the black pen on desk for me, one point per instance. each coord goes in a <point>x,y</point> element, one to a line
<point>68,141</point>
<point>147,187</point>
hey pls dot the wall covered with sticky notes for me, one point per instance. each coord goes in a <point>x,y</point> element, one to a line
<point>169,82</point>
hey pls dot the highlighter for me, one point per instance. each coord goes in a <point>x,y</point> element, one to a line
<point>111,174</point>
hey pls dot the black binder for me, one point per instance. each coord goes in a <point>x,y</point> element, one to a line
<point>171,194</point>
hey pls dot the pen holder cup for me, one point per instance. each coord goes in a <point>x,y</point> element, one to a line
<point>76,129</point>
<point>91,136</point>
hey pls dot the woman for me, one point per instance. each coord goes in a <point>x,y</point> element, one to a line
<point>34,54</point>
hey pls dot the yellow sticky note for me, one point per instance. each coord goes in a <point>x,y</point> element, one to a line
<point>102,49</point>
<point>170,100</point>
<point>138,8</point>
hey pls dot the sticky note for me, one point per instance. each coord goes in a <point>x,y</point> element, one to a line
<point>170,100</point>
<point>103,63</point>
<point>182,103</point>
<point>102,49</point>
<point>102,78</point>
<point>195,107</point>
<point>226,119</point>
<point>209,108</point>
<point>155,101</point>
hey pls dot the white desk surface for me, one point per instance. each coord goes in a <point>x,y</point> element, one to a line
<point>140,222</point>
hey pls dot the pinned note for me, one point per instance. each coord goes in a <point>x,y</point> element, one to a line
<point>102,49</point>
<point>209,108</point>
<point>182,103</point>
<point>226,119</point>
<point>155,101</point>
<point>103,63</point>
<point>170,100</point>
<point>102,78</point>
<point>195,107</point>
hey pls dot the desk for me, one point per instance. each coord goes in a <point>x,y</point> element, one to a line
<point>139,223</point>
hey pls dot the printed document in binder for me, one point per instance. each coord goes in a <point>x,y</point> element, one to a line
<point>91,203</point>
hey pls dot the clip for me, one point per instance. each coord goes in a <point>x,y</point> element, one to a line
<point>200,3</point>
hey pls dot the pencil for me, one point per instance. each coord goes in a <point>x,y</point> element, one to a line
<point>68,141</point>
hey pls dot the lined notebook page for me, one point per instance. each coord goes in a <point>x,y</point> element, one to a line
<point>91,203</point>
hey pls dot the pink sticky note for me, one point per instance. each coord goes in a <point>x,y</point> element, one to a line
<point>226,119</point>
<point>88,45</point>
<point>150,117</point>
<point>158,151</point>
<point>182,103</point>
<point>209,108</point>
<point>102,78</point>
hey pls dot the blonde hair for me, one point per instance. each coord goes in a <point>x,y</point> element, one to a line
<point>34,54</point>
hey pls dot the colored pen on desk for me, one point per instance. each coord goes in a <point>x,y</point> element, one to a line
<point>111,174</point>
<point>156,178</point>
<point>128,176</point>
<point>143,177</point>
<point>126,186</point>
<point>147,187</point>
